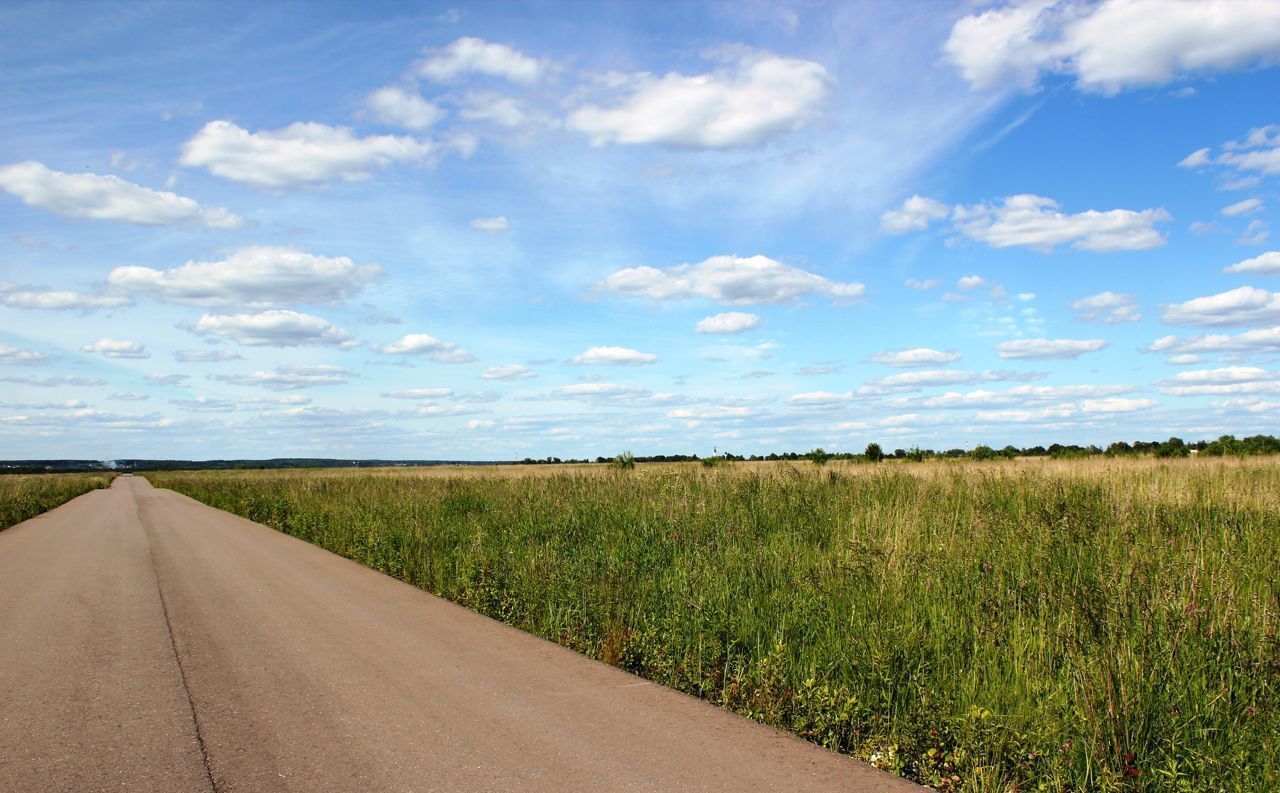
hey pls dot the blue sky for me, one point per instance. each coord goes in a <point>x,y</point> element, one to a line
<point>494,231</point>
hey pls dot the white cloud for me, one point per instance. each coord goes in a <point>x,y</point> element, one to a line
<point>1257,341</point>
<point>206,356</point>
<point>613,356</point>
<point>299,154</point>
<point>54,381</point>
<point>925,379</point>
<point>87,195</point>
<point>1038,414</point>
<point>1117,405</point>
<point>394,105</point>
<point>129,396</point>
<point>915,214</point>
<point>1244,306</point>
<point>1112,45</point>
<point>480,424</point>
<point>1023,395</point>
<point>1244,207</point>
<point>116,348</point>
<point>915,356</point>
<point>510,371</point>
<point>14,355</point>
<point>923,286</point>
<point>419,393</point>
<point>505,111</point>
<point>728,280</point>
<point>275,328</point>
<point>1226,380</point>
<point>1256,233</point>
<point>1048,349</point>
<point>289,378</point>
<point>755,97</point>
<point>254,277</point>
<point>1258,151</point>
<point>204,404</point>
<point>969,282</point>
<point>469,55</point>
<point>58,300</point>
<point>428,346</point>
<point>598,391</point>
<point>167,379</point>
<point>729,322</point>
<point>1107,307</point>
<point>292,399</point>
<point>1036,222</point>
<point>820,399</point>
<point>491,225</point>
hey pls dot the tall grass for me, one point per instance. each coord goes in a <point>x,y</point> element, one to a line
<point>1000,626</point>
<point>23,496</point>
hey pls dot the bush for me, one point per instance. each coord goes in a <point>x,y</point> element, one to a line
<point>624,461</point>
<point>874,453</point>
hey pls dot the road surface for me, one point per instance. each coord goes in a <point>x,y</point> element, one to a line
<point>151,643</point>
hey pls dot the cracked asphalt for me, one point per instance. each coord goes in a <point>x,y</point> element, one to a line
<point>151,643</point>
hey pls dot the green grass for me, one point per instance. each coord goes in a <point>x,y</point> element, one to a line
<point>23,497</point>
<point>1000,626</point>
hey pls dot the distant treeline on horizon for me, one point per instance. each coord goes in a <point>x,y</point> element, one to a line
<point>1225,446</point>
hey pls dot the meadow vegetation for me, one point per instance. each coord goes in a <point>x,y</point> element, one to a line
<point>25,496</point>
<point>1100,624</point>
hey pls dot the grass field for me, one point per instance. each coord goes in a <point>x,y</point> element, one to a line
<point>1026,625</point>
<point>25,496</point>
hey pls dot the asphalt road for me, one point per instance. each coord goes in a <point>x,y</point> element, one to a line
<point>151,643</point>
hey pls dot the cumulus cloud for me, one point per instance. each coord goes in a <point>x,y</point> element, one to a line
<point>289,378</point>
<point>505,111</point>
<point>394,105</point>
<point>1037,222</point>
<point>969,282</point>
<point>419,393</point>
<point>915,214</point>
<point>1022,395</point>
<point>923,286</point>
<point>257,276</point>
<point>911,381</point>
<point>1244,306</point>
<point>167,379</point>
<point>206,356</point>
<point>915,356</point>
<point>492,225</point>
<point>1113,45</point>
<point>299,154</point>
<point>728,280</point>
<point>275,328</point>
<point>204,404</point>
<point>1225,380</point>
<point>1107,307</point>
<point>87,195</point>
<point>510,371</point>
<point>1265,264</point>
<point>729,322</point>
<point>129,396</point>
<point>1117,405</point>
<point>1257,341</point>
<point>15,355</point>
<point>1048,349</point>
<point>116,348</point>
<point>427,346</point>
<point>469,55</point>
<point>820,399</point>
<point>613,356</point>
<point>53,381</point>
<point>1245,207</point>
<point>592,392</point>
<point>1258,151</point>
<point>58,300</point>
<point>756,96</point>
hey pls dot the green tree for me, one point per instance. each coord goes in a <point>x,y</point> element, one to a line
<point>874,453</point>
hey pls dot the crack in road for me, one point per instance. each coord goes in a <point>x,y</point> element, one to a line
<point>177,657</point>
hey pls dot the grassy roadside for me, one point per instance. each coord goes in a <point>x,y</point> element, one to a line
<point>25,496</point>
<point>1101,625</point>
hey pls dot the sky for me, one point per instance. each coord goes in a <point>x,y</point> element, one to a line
<point>500,230</point>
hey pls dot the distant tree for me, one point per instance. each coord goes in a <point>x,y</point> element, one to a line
<point>874,453</point>
<point>1174,447</point>
<point>983,452</point>
<point>818,456</point>
<point>624,461</point>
